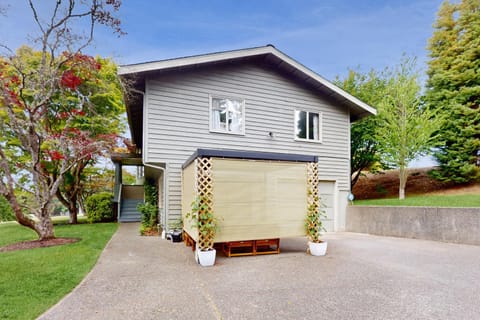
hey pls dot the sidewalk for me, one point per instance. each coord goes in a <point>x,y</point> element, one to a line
<point>362,277</point>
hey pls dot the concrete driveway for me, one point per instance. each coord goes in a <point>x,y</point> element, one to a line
<point>362,277</point>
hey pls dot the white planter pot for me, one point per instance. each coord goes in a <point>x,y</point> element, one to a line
<point>317,249</point>
<point>206,258</point>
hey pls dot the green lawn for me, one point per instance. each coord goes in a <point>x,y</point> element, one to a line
<point>65,219</point>
<point>33,280</point>
<point>465,200</point>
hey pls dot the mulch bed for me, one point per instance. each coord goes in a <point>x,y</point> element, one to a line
<point>38,244</point>
<point>150,233</point>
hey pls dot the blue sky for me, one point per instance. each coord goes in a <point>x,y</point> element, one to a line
<point>328,36</point>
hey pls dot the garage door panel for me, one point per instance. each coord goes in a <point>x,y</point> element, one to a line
<point>326,191</point>
<point>329,213</point>
<point>328,225</point>
<point>327,199</point>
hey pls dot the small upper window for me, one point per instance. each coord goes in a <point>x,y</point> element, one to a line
<point>307,125</point>
<point>227,115</point>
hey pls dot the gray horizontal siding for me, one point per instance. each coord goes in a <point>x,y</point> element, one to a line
<point>333,169</point>
<point>177,121</point>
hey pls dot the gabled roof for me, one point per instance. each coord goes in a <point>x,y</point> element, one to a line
<point>267,54</point>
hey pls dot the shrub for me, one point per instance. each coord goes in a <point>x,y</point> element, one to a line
<point>149,209</point>
<point>149,213</point>
<point>99,207</point>
<point>6,212</point>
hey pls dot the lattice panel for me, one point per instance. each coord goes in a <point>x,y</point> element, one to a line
<point>312,182</point>
<point>204,177</point>
<point>313,201</point>
<point>205,192</point>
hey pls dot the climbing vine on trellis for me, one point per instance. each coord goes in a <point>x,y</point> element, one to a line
<point>205,221</point>
<point>313,222</point>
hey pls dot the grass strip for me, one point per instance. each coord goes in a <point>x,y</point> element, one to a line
<point>448,201</point>
<point>31,281</point>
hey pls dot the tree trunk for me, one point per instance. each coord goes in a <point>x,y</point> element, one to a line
<point>403,175</point>
<point>44,227</point>
<point>69,201</point>
<point>73,213</point>
<point>356,176</point>
<point>21,218</point>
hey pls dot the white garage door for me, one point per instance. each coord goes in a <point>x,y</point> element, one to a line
<point>328,200</point>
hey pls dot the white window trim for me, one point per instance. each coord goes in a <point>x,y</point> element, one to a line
<point>216,96</point>
<point>320,127</point>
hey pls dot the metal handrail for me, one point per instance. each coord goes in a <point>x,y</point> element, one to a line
<point>119,197</point>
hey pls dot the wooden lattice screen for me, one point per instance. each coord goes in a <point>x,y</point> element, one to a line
<point>312,189</point>
<point>204,190</point>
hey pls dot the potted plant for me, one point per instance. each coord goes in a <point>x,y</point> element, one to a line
<point>313,225</point>
<point>176,228</point>
<point>207,225</point>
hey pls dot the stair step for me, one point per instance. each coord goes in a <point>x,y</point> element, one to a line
<point>129,220</point>
<point>129,212</point>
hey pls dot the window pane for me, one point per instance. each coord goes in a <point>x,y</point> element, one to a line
<point>227,115</point>
<point>235,116</point>
<point>218,115</point>
<point>218,120</point>
<point>313,125</point>
<point>301,124</point>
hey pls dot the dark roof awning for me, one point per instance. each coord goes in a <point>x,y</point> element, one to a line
<point>249,155</point>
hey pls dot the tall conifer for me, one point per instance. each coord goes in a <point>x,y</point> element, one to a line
<point>453,88</point>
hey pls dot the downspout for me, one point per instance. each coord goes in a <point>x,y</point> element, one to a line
<point>164,196</point>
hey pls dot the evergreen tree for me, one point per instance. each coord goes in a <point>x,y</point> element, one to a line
<point>453,88</point>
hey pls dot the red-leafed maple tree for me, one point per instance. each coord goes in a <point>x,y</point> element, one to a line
<point>94,129</point>
<point>48,112</point>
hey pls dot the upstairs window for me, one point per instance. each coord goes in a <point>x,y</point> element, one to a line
<point>227,115</point>
<point>307,125</point>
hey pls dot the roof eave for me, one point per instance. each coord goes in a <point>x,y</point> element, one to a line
<point>192,60</point>
<point>244,53</point>
<point>324,82</point>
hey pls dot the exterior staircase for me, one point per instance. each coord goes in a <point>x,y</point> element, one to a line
<point>128,211</point>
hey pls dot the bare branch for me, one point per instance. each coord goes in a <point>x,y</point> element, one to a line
<point>35,16</point>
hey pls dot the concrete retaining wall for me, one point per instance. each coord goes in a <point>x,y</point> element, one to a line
<point>458,225</point>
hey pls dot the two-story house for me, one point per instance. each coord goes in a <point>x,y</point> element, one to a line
<point>250,100</point>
